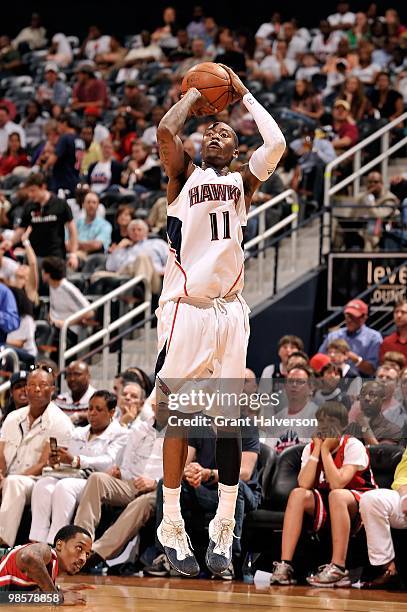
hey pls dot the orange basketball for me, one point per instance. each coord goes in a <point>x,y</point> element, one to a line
<point>212,81</point>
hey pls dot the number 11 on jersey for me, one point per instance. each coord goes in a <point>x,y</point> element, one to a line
<point>214,225</point>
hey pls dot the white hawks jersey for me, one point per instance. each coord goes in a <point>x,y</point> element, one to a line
<point>204,228</point>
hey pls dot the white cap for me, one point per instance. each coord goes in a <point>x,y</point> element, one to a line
<point>51,67</point>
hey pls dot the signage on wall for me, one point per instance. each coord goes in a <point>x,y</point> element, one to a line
<point>349,274</point>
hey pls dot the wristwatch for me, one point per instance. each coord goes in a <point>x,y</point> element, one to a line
<point>365,429</point>
<point>211,475</point>
<point>75,462</point>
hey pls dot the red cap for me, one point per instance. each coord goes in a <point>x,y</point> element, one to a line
<point>357,308</point>
<point>318,361</point>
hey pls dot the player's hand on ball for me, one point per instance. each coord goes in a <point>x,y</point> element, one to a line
<point>238,86</point>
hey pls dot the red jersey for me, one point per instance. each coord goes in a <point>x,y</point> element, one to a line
<point>13,579</point>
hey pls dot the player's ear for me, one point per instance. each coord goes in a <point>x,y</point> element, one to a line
<point>58,545</point>
<point>236,153</point>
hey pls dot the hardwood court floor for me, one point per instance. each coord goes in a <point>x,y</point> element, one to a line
<point>117,594</point>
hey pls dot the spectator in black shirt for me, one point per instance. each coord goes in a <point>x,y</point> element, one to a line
<point>231,56</point>
<point>48,216</point>
<point>389,102</point>
<point>65,173</point>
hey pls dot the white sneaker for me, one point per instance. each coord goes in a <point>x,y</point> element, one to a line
<point>177,547</point>
<point>219,553</point>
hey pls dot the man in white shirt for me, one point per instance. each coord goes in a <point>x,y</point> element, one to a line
<point>24,449</point>
<point>75,401</point>
<point>343,19</point>
<point>7,127</point>
<point>33,35</point>
<point>278,65</point>
<point>132,485</point>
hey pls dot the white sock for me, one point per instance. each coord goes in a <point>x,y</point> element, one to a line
<point>171,505</point>
<point>227,500</point>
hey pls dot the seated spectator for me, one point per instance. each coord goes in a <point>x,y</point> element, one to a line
<point>365,69</point>
<point>22,339</point>
<point>343,19</point>
<point>335,473</point>
<point>32,36</point>
<point>132,484</point>
<point>369,424</point>
<point>146,53</point>
<point>395,359</point>
<point>386,100</point>
<point>52,91</point>
<point>308,66</point>
<point>64,299</point>
<point>123,135</point>
<point>9,317</point>
<point>299,406</point>
<point>94,447</point>
<point>107,60</point>
<point>346,130</point>
<point>10,59</point>
<point>60,51</point>
<point>276,65</point>
<point>363,341</point>
<point>286,346</point>
<point>397,341</point>
<point>150,134</point>
<point>23,458</point>
<point>398,414</point>
<point>105,173</point>
<point>142,171</point>
<point>18,395</point>
<point>94,43</point>
<point>14,156</point>
<point>297,358</point>
<point>297,43</point>
<point>33,124</point>
<point>130,404</point>
<point>89,91</point>
<point>94,233</point>
<point>75,401</point>
<point>8,127</point>
<point>359,32</point>
<point>165,34</point>
<point>337,351</point>
<point>124,216</point>
<point>268,31</point>
<point>199,486</point>
<point>352,91</point>
<point>92,153</point>
<point>381,511</point>
<point>183,49</point>
<point>132,252</point>
<point>198,56</point>
<point>134,102</point>
<point>329,387</point>
<point>325,42</point>
<point>305,101</point>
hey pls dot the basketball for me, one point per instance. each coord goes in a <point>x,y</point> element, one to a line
<point>212,81</point>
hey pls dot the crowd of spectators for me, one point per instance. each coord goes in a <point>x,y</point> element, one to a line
<point>83,201</point>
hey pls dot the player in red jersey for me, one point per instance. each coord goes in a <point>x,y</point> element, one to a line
<point>35,567</point>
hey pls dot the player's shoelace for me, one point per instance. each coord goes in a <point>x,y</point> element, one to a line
<point>176,537</point>
<point>224,536</point>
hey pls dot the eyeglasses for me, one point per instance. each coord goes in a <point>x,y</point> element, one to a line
<point>369,182</point>
<point>41,366</point>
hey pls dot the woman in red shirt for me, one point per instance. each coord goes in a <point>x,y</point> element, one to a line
<point>14,156</point>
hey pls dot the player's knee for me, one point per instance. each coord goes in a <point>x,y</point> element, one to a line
<point>299,495</point>
<point>338,496</point>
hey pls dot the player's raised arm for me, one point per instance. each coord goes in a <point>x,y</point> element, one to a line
<point>175,160</point>
<point>264,160</point>
<point>32,560</point>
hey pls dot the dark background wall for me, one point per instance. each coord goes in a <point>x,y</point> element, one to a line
<point>130,16</point>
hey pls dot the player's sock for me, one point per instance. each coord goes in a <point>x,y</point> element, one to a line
<point>171,505</point>
<point>227,500</point>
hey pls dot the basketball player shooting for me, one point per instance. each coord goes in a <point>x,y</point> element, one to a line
<point>202,319</point>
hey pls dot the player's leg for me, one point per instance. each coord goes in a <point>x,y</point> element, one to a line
<point>233,331</point>
<point>343,508</point>
<point>300,501</point>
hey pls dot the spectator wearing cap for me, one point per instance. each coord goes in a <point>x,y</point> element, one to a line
<point>89,91</point>
<point>60,51</point>
<point>397,341</point>
<point>18,394</point>
<point>364,341</point>
<point>52,91</point>
<point>134,102</point>
<point>346,130</point>
<point>319,361</point>
<point>24,448</point>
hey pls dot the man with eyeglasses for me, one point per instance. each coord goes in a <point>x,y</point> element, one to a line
<point>397,341</point>
<point>24,448</point>
<point>364,341</point>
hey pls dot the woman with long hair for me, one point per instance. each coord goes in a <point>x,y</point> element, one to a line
<point>353,92</point>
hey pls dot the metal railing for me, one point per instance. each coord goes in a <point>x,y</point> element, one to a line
<point>265,234</point>
<point>358,170</point>
<point>9,352</point>
<point>108,325</point>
